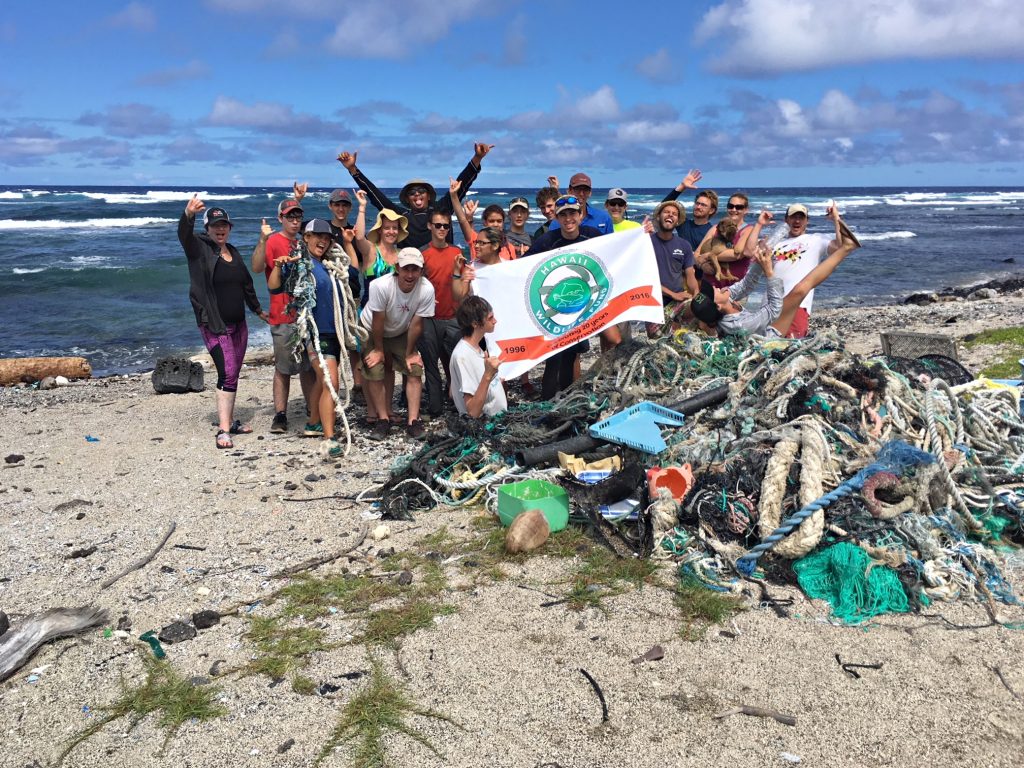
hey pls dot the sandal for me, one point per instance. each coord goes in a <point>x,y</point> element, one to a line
<point>238,428</point>
<point>380,430</point>
<point>396,419</point>
<point>224,439</point>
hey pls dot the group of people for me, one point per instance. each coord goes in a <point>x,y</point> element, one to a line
<point>418,315</point>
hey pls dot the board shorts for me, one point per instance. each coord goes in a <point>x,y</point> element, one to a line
<point>283,336</point>
<point>330,346</point>
<point>394,348</point>
<point>801,322</point>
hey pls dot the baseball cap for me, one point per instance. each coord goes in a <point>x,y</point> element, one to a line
<point>703,304</point>
<point>567,203</point>
<point>213,215</point>
<point>317,227</point>
<point>408,256</point>
<point>617,194</point>
<point>288,206</point>
<point>580,180</point>
<point>340,196</point>
<point>797,208</point>
<point>518,202</point>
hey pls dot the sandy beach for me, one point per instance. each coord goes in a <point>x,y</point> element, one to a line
<point>502,668</point>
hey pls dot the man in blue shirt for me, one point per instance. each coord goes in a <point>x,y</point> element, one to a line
<point>581,188</point>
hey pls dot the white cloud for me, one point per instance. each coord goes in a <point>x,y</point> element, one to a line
<point>600,105</point>
<point>763,37</point>
<point>135,16</point>
<point>398,29</point>
<point>193,70</point>
<point>658,67</point>
<point>647,132</point>
<point>272,117</point>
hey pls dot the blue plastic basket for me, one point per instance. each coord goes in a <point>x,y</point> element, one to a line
<point>638,427</point>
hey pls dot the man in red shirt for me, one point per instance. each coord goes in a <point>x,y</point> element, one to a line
<point>440,332</point>
<point>270,248</point>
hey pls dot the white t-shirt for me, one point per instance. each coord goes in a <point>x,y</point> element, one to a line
<point>467,367</point>
<point>794,259</point>
<point>398,308</point>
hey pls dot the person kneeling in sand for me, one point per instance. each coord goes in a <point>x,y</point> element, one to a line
<point>718,309</point>
<point>476,388</point>
<point>393,315</point>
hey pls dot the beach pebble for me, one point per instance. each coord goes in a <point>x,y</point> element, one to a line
<point>48,382</point>
<point>380,533</point>
<point>13,458</point>
<point>203,591</point>
<point>177,632</point>
<point>789,757</point>
<point>205,619</point>
<point>405,578</point>
<point>61,381</point>
<point>288,744</point>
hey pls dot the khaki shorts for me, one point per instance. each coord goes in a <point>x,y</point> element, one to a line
<point>394,349</point>
<point>284,361</point>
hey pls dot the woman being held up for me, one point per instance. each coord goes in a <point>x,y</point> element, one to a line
<point>718,309</point>
<point>476,388</point>
<point>220,288</point>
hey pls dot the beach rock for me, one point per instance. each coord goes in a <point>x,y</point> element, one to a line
<point>205,619</point>
<point>124,623</point>
<point>178,632</point>
<point>48,382</point>
<point>405,578</point>
<point>983,293</point>
<point>81,552</point>
<point>288,744</point>
<point>5,623</point>
<point>528,531</point>
<point>921,299</point>
<point>61,381</point>
<point>380,533</point>
<point>13,458</point>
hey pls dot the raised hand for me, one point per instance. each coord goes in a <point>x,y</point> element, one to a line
<point>470,206</point>
<point>480,151</point>
<point>648,225</point>
<point>691,179</point>
<point>265,230</point>
<point>299,190</point>
<point>454,185</point>
<point>553,181</point>
<point>194,206</point>
<point>765,218</point>
<point>348,159</point>
<point>348,234</point>
<point>360,196</point>
<point>468,273</point>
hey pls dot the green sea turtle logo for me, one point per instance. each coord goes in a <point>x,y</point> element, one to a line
<point>565,290</point>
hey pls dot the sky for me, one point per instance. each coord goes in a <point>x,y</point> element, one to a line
<point>752,92</point>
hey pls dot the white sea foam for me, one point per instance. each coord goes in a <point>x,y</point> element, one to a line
<point>11,196</point>
<point>152,197</point>
<point>145,221</point>
<point>26,271</point>
<point>886,235</point>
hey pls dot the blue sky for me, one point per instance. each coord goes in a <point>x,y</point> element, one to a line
<point>753,92</point>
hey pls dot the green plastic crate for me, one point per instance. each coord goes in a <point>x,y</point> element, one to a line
<point>551,499</point>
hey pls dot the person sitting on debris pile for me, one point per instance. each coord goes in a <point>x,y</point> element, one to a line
<point>476,388</point>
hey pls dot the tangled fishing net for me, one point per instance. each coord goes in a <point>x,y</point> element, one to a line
<point>876,484</point>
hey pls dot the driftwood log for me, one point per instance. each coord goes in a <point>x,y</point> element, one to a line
<point>28,369</point>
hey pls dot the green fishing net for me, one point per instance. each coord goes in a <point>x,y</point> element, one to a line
<point>856,587</point>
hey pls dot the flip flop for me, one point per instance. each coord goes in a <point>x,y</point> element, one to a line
<point>238,428</point>
<point>224,439</point>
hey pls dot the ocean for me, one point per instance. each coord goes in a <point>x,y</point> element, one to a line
<point>99,272</point>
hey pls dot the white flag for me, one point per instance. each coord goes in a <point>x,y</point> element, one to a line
<point>550,301</point>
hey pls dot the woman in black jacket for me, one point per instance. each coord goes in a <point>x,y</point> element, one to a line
<point>220,289</point>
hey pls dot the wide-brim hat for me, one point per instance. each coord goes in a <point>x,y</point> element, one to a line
<point>403,226</point>
<point>403,196</point>
<point>679,206</point>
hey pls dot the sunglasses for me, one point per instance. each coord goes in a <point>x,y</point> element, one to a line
<point>418,191</point>
<point>616,203</point>
<point>582,188</point>
<point>731,207</point>
<point>567,200</point>
<point>441,225</point>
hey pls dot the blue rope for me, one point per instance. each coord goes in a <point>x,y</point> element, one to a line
<point>894,457</point>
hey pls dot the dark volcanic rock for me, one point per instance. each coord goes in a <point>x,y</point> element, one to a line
<point>205,619</point>
<point>178,632</point>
